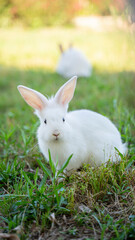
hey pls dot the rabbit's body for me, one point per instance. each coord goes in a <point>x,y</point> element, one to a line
<point>94,144</point>
<point>89,136</point>
<point>73,62</point>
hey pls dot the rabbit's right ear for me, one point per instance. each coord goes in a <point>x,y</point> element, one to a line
<point>33,98</point>
<point>61,48</point>
<point>66,92</point>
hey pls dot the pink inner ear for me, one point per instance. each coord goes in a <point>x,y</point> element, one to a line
<point>66,97</point>
<point>66,92</point>
<point>31,98</point>
<point>33,104</point>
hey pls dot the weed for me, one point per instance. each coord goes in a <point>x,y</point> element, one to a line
<point>30,198</point>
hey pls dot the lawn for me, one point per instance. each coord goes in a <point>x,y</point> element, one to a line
<point>93,203</point>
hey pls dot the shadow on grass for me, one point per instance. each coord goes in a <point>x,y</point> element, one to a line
<point>96,92</point>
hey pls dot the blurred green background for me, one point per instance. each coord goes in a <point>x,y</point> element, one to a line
<point>37,13</point>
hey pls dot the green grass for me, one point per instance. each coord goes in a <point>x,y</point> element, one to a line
<point>32,198</point>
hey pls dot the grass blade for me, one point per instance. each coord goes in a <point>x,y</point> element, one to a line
<point>64,165</point>
<point>53,168</point>
<point>36,176</point>
<point>45,169</point>
<point>43,182</point>
<point>27,179</point>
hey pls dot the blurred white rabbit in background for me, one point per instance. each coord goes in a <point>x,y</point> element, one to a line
<point>73,62</point>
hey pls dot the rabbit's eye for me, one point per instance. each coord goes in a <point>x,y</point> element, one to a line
<point>63,119</point>
<point>45,121</point>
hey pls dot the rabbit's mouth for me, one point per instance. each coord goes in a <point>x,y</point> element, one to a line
<point>56,138</point>
<point>56,135</point>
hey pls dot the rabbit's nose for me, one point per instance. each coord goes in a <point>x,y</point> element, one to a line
<point>56,134</point>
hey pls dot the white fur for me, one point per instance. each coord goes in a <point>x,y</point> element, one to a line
<point>73,62</point>
<point>89,136</point>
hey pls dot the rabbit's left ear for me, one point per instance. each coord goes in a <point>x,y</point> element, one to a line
<point>33,98</point>
<point>66,92</point>
<point>61,48</point>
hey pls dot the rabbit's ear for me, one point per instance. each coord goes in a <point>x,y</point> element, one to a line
<point>32,97</point>
<point>61,48</point>
<point>66,92</point>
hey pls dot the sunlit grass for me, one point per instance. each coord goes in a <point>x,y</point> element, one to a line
<point>113,51</point>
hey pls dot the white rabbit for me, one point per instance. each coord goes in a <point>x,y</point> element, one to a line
<point>73,62</point>
<point>89,136</point>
